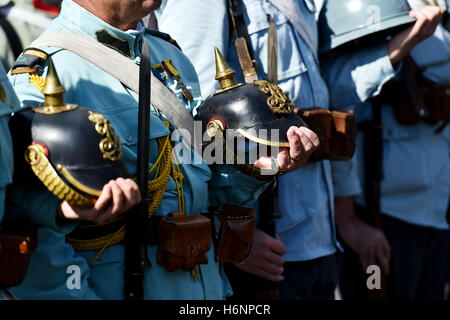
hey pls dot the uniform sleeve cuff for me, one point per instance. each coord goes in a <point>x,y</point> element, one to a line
<point>375,74</point>
<point>345,178</point>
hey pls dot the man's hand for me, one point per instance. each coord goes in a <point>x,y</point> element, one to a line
<point>266,257</point>
<point>117,197</point>
<point>428,18</point>
<point>368,242</point>
<point>302,143</point>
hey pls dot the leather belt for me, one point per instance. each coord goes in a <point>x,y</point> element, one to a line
<point>88,231</point>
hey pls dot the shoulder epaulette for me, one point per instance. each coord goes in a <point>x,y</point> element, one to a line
<point>30,61</point>
<point>163,36</point>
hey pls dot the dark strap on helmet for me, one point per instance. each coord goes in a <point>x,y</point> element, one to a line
<point>11,35</point>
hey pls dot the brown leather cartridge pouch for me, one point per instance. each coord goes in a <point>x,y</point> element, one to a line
<point>343,137</point>
<point>16,246</point>
<point>428,103</point>
<point>320,122</point>
<point>336,131</point>
<point>184,241</point>
<point>237,230</point>
<point>416,99</point>
<point>407,110</point>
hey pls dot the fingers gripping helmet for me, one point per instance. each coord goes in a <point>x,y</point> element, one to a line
<point>346,23</point>
<point>72,150</point>
<point>257,112</point>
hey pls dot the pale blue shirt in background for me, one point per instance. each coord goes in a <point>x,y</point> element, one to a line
<point>416,160</point>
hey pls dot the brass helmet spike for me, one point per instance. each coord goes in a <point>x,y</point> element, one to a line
<point>224,73</point>
<point>53,92</point>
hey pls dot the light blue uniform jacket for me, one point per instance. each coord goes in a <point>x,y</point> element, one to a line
<point>306,195</point>
<point>416,184</point>
<point>8,104</point>
<point>88,86</point>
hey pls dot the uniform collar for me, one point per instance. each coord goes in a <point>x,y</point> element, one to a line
<point>81,21</point>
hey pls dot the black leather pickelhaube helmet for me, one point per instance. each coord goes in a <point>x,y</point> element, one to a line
<point>248,109</point>
<point>72,150</point>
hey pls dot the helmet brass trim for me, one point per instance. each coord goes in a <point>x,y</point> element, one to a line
<point>55,110</point>
<point>262,141</point>
<point>279,102</point>
<point>42,168</point>
<point>110,145</point>
<point>66,174</point>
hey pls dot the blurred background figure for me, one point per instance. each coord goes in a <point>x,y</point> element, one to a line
<point>397,221</point>
<point>21,22</point>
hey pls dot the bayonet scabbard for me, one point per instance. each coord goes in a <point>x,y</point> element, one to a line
<point>136,259</point>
